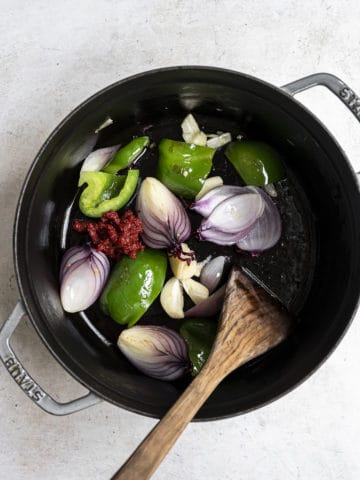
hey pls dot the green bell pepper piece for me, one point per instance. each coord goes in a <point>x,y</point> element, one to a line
<point>256,162</point>
<point>133,285</point>
<point>184,167</point>
<point>105,191</point>
<point>199,335</point>
<point>127,155</point>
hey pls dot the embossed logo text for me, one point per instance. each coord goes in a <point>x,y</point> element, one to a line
<point>349,97</point>
<point>22,379</point>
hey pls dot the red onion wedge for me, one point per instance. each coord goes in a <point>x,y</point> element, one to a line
<point>235,214</point>
<point>83,274</point>
<point>214,197</point>
<point>71,257</point>
<point>157,351</point>
<point>97,159</point>
<point>266,231</point>
<point>248,219</point>
<point>209,307</point>
<point>164,219</point>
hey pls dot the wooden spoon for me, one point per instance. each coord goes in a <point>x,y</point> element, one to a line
<point>252,322</point>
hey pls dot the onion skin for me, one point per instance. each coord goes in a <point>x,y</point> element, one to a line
<point>164,219</point>
<point>209,307</point>
<point>83,274</point>
<point>157,351</point>
<point>212,272</point>
<point>106,123</point>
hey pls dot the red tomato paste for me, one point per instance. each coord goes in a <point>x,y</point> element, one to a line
<point>113,235</point>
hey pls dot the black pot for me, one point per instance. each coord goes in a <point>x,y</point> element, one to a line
<point>327,197</point>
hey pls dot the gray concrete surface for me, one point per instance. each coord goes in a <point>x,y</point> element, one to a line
<point>55,54</point>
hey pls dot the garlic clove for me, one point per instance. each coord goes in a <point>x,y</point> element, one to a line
<point>172,298</point>
<point>199,138</point>
<point>208,185</point>
<point>196,291</point>
<point>219,140</point>
<point>181,268</point>
<point>191,131</point>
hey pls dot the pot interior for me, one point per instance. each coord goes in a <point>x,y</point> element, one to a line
<point>314,269</point>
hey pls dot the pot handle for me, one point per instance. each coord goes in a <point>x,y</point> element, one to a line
<point>334,84</point>
<point>26,382</point>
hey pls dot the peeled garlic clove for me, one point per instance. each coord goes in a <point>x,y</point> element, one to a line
<point>198,139</point>
<point>192,132</point>
<point>189,126</point>
<point>196,291</point>
<point>172,298</point>
<point>208,185</point>
<point>180,268</point>
<point>219,140</point>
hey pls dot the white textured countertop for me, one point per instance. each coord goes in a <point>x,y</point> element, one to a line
<point>54,55</point>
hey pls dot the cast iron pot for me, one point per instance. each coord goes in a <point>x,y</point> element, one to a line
<point>318,164</point>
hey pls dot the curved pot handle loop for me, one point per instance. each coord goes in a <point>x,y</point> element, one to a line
<point>334,84</point>
<point>26,382</point>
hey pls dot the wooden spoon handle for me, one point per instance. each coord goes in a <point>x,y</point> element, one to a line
<point>150,453</point>
<point>251,323</point>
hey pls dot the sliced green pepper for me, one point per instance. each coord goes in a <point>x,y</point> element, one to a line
<point>105,191</point>
<point>133,286</point>
<point>200,336</point>
<point>184,167</point>
<point>256,162</point>
<point>127,155</point>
